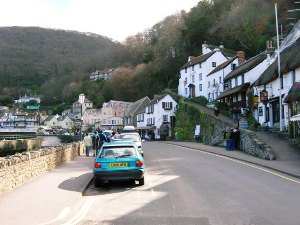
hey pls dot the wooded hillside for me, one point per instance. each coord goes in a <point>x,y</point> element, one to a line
<point>57,63</point>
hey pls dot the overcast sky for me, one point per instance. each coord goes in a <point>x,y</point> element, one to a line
<point>116,19</point>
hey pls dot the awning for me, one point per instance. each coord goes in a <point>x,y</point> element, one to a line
<point>295,118</point>
<point>232,91</point>
<point>294,93</point>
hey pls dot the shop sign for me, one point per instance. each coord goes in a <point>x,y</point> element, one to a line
<point>264,96</point>
<point>255,99</point>
<point>260,111</point>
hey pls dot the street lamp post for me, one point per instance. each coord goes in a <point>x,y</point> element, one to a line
<point>278,61</point>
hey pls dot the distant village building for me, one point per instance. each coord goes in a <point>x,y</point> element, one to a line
<point>112,115</point>
<point>157,120</point>
<point>81,105</point>
<point>25,99</point>
<point>103,74</point>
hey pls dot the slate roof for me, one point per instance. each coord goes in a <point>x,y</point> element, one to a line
<point>246,66</point>
<point>138,104</point>
<point>231,91</point>
<point>289,60</point>
<point>198,59</point>
<point>223,65</point>
<point>294,93</point>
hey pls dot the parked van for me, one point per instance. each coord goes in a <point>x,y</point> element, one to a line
<point>128,129</point>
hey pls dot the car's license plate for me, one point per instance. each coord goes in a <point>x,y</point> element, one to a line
<point>118,164</point>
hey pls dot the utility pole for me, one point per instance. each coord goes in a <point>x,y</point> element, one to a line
<point>279,78</point>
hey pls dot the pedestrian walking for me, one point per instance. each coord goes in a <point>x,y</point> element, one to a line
<point>88,143</point>
<point>95,139</point>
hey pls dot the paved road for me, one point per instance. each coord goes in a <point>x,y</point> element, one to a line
<point>187,186</point>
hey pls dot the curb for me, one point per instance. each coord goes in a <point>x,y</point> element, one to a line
<point>243,160</point>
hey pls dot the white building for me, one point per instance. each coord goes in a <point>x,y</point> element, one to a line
<point>158,116</point>
<point>269,87</point>
<point>25,99</point>
<point>238,81</point>
<point>215,79</point>
<point>103,74</point>
<point>81,105</point>
<point>193,80</point>
<point>90,118</point>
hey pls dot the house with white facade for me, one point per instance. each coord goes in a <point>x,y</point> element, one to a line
<point>59,122</point>
<point>215,79</point>
<point>193,80</point>
<point>130,118</point>
<point>112,115</point>
<point>158,117</point>
<point>81,105</point>
<point>238,81</point>
<point>65,122</point>
<point>279,95</point>
<point>101,74</point>
<point>25,99</point>
<point>90,118</point>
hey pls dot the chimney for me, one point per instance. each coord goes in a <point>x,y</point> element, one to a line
<point>205,48</point>
<point>241,57</point>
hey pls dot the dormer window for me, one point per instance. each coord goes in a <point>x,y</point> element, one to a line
<point>233,66</point>
<point>214,64</point>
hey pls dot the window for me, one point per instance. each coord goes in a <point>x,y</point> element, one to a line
<point>185,81</point>
<point>186,91</point>
<point>220,80</point>
<point>214,82</point>
<point>200,87</point>
<point>192,67</point>
<point>200,66</point>
<point>243,78</point>
<point>213,96</point>
<point>140,118</point>
<point>281,82</point>
<point>236,81</point>
<point>185,70</point>
<point>200,76</point>
<point>167,105</point>
<point>193,78</point>
<point>165,118</point>
<point>208,83</point>
<point>233,66</point>
<point>208,96</point>
<point>214,64</point>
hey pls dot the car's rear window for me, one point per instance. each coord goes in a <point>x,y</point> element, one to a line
<point>134,137</point>
<point>118,152</point>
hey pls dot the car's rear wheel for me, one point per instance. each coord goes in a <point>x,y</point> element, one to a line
<point>141,181</point>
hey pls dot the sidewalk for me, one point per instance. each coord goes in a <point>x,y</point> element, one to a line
<point>288,156</point>
<point>45,197</point>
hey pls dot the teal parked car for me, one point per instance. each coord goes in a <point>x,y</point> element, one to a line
<point>118,160</point>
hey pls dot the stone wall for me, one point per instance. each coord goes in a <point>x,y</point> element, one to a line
<point>253,146</point>
<point>20,144</point>
<point>20,168</point>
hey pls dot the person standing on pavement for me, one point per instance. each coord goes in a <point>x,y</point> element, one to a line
<point>88,143</point>
<point>102,139</point>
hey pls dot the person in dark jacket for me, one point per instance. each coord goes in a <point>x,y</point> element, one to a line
<point>102,139</point>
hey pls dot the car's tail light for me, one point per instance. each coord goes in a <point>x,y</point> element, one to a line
<point>139,163</point>
<point>97,165</point>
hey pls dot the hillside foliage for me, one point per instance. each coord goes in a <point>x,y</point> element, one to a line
<point>56,63</point>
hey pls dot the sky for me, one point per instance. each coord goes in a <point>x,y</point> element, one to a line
<point>116,19</point>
